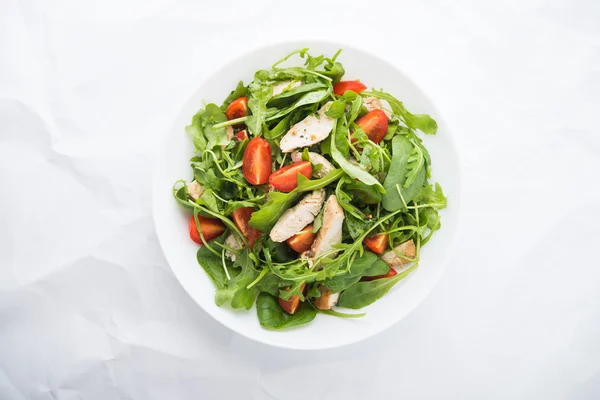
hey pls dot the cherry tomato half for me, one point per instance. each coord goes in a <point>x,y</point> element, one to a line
<point>390,273</point>
<point>377,244</point>
<point>341,87</point>
<point>292,304</point>
<point>286,179</point>
<point>241,216</point>
<point>256,164</point>
<point>302,240</point>
<point>211,228</point>
<point>375,125</point>
<point>237,109</point>
<point>242,135</point>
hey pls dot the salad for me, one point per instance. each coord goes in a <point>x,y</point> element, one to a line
<point>310,194</point>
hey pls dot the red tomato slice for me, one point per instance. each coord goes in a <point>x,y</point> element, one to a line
<point>302,240</point>
<point>256,164</point>
<point>211,228</point>
<point>242,135</point>
<point>390,273</point>
<point>341,87</point>
<point>375,125</point>
<point>292,304</point>
<point>286,179</point>
<point>377,244</point>
<point>237,109</point>
<point>241,216</point>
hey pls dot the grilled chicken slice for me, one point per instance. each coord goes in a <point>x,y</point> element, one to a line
<point>327,299</point>
<point>315,159</point>
<point>309,131</point>
<point>373,103</point>
<point>195,190</point>
<point>232,242</point>
<point>331,230</point>
<point>296,218</point>
<point>407,249</point>
<point>282,86</point>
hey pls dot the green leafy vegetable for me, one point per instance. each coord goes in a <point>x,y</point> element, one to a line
<point>239,91</point>
<point>267,216</point>
<point>272,316</point>
<point>423,122</point>
<point>362,294</point>
<point>353,170</point>
<point>201,129</point>
<point>397,196</point>
<point>308,98</point>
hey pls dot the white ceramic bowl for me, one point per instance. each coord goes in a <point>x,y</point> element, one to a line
<point>325,331</point>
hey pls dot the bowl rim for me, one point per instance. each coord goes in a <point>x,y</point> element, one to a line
<point>297,44</point>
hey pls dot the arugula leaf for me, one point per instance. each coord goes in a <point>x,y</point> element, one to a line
<point>236,289</point>
<point>353,170</point>
<point>362,294</point>
<point>260,93</point>
<point>271,315</point>
<point>239,91</point>
<point>415,162</point>
<point>434,197</point>
<point>267,216</point>
<point>397,196</point>
<point>201,129</point>
<point>356,226</point>
<point>313,97</point>
<point>366,265</point>
<point>341,315</point>
<point>423,122</point>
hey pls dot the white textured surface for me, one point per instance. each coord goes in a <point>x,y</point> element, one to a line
<point>90,310</point>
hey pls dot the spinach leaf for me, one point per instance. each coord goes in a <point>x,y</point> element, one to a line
<point>213,265</point>
<point>336,109</point>
<point>414,165</point>
<point>267,216</point>
<point>239,91</point>
<point>280,252</point>
<point>282,98</point>
<point>423,122</point>
<point>353,170</point>
<point>279,129</point>
<point>309,98</point>
<point>363,193</point>
<point>397,196</point>
<point>364,293</point>
<point>271,315</point>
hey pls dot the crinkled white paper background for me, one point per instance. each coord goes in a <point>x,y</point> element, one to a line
<point>89,309</point>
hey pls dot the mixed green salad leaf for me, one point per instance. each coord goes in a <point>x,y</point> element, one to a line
<point>335,217</point>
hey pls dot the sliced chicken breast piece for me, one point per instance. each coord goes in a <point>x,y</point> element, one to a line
<point>327,299</point>
<point>373,103</point>
<point>195,190</point>
<point>233,243</point>
<point>331,230</point>
<point>315,159</point>
<point>407,249</point>
<point>282,86</point>
<point>296,218</point>
<point>311,130</point>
